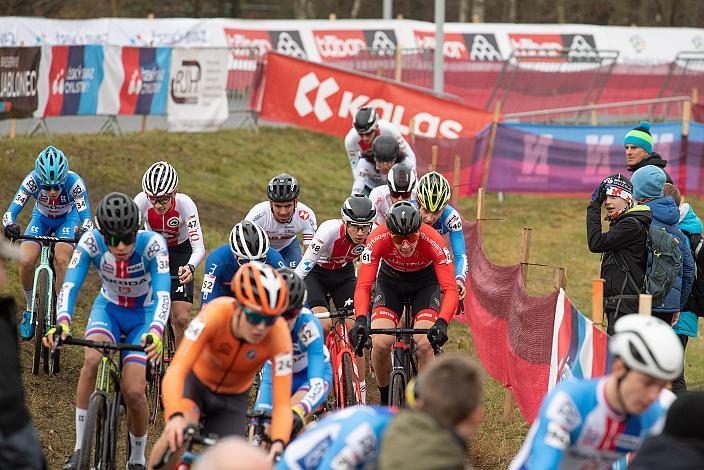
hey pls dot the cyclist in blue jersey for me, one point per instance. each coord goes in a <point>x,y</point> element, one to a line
<point>248,242</point>
<point>348,438</point>
<point>592,424</point>
<point>61,209</point>
<point>312,372</point>
<point>134,301</point>
<point>432,194</point>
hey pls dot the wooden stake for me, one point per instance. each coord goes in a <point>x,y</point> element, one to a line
<point>645,304</point>
<point>490,145</point>
<point>433,157</point>
<point>456,179</point>
<point>13,128</point>
<point>412,132</point>
<point>480,211</point>
<point>332,17</point>
<point>379,72</point>
<point>592,117</point>
<point>598,301</point>
<point>143,126</point>
<point>560,279</point>
<point>398,69</point>
<point>695,95</point>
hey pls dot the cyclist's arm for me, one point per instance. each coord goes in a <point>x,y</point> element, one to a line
<point>360,176</point>
<point>212,287</point>
<point>352,148</point>
<point>321,241</point>
<point>195,338</point>
<point>282,380</point>
<point>27,189</point>
<point>459,249</point>
<point>311,337</point>
<point>444,271</point>
<point>79,193</point>
<point>161,282</point>
<point>368,267</point>
<point>75,275</point>
<point>195,234</point>
<point>274,258</point>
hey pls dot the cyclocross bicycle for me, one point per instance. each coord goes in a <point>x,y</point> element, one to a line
<point>345,375</point>
<point>158,370</point>
<point>43,303</point>
<point>256,428</point>
<point>106,406</point>
<point>191,437</point>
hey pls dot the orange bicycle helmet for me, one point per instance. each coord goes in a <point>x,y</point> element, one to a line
<point>258,287</point>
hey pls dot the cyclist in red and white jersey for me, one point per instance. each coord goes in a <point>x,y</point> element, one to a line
<point>414,263</point>
<point>400,186</point>
<point>327,263</point>
<point>283,217</point>
<point>372,171</point>
<point>175,216</point>
<point>366,128</point>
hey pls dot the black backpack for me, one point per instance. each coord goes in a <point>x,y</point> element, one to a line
<point>695,302</point>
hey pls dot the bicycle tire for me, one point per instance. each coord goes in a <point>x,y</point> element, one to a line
<point>55,357</point>
<point>348,378</point>
<point>40,321</point>
<point>169,342</point>
<point>154,391</point>
<point>92,444</point>
<point>397,391</point>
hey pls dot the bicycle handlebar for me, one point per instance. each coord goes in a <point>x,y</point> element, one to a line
<point>46,239</point>
<point>105,345</point>
<point>190,436</point>
<point>399,331</point>
<point>339,314</point>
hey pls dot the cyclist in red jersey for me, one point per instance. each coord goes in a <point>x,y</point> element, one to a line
<point>417,266</point>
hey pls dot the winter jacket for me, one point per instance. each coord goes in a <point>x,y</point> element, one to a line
<point>668,452</point>
<point>624,242</point>
<point>689,222</point>
<point>666,214</point>
<point>415,439</point>
<point>652,159</point>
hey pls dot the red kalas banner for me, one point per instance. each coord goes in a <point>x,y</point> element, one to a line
<point>325,99</point>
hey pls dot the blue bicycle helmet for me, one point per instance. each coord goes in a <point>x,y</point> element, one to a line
<point>51,166</point>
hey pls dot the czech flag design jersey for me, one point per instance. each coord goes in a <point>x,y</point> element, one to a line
<point>141,282</point>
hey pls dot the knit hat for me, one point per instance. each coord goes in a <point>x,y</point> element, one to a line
<point>618,185</point>
<point>640,137</point>
<point>648,182</point>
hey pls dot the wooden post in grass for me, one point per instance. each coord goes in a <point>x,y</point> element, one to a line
<point>398,70</point>
<point>143,126</point>
<point>412,132</point>
<point>525,257</point>
<point>598,301</point>
<point>456,179</point>
<point>480,212</point>
<point>13,128</point>
<point>490,145</point>
<point>645,304</point>
<point>560,278</point>
<point>433,157</point>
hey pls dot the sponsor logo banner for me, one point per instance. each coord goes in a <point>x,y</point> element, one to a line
<point>542,46</point>
<point>340,43</point>
<point>146,80</point>
<point>245,41</point>
<point>325,99</point>
<point>19,71</point>
<point>480,47</point>
<point>75,75</point>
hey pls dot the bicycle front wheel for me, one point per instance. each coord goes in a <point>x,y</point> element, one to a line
<point>350,382</point>
<point>40,315</point>
<point>93,444</point>
<point>397,391</point>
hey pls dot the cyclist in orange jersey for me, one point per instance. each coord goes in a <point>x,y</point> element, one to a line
<point>223,348</point>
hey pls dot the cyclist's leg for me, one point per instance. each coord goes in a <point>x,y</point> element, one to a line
<point>315,285</point>
<point>29,254</point>
<point>292,254</point>
<point>384,315</point>
<point>101,327</point>
<point>63,251</point>
<point>426,303</point>
<point>181,294</point>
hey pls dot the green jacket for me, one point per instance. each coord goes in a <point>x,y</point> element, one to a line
<point>415,440</point>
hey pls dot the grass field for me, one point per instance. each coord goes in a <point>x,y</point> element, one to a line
<point>225,173</point>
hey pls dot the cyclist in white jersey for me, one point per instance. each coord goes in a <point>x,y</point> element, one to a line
<point>366,127</point>
<point>175,216</point>
<point>592,424</point>
<point>372,171</point>
<point>327,263</point>
<point>400,186</point>
<point>283,217</point>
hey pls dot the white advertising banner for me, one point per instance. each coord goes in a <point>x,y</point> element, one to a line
<point>197,98</point>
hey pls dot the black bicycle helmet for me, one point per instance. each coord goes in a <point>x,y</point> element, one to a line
<point>358,209</point>
<point>366,120</point>
<point>403,219</point>
<point>385,148</point>
<point>297,293</point>
<point>118,216</point>
<point>283,188</point>
<point>401,178</point>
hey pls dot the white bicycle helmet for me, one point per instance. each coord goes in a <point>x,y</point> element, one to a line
<point>648,345</point>
<point>249,241</point>
<point>159,179</point>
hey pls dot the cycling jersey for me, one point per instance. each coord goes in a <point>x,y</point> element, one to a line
<point>282,235</point>
<point>576,428</point>
<point>450,222</point>
<point>312,371</point>
<point>355,147</point>
<point>142,281</point>
<point>346,439</point>
<point>367,177</point>
<point>178,224</point>
<point>381,197</point>
<point>220,268</point>
<point>431,249</point>
<point>331,248</point>
<point>226,364</point>
<point>72,199</point>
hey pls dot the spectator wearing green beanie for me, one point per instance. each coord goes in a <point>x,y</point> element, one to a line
<point>639,150</point>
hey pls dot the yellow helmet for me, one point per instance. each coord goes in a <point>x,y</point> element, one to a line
<point>433,191</point>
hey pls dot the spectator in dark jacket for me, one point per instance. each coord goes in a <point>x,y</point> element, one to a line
<point>648,184</point>
<point>623,245</point>
<point>681,444</point>
<point>19,445</point>
<point>639,150</point>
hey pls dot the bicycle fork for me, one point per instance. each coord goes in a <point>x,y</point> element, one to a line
<point>44,265</point>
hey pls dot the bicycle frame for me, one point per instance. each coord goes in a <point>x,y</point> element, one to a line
<point>338,344</point>
<point>44,265</point>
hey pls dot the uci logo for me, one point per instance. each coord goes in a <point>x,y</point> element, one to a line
<point>173,222</point>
